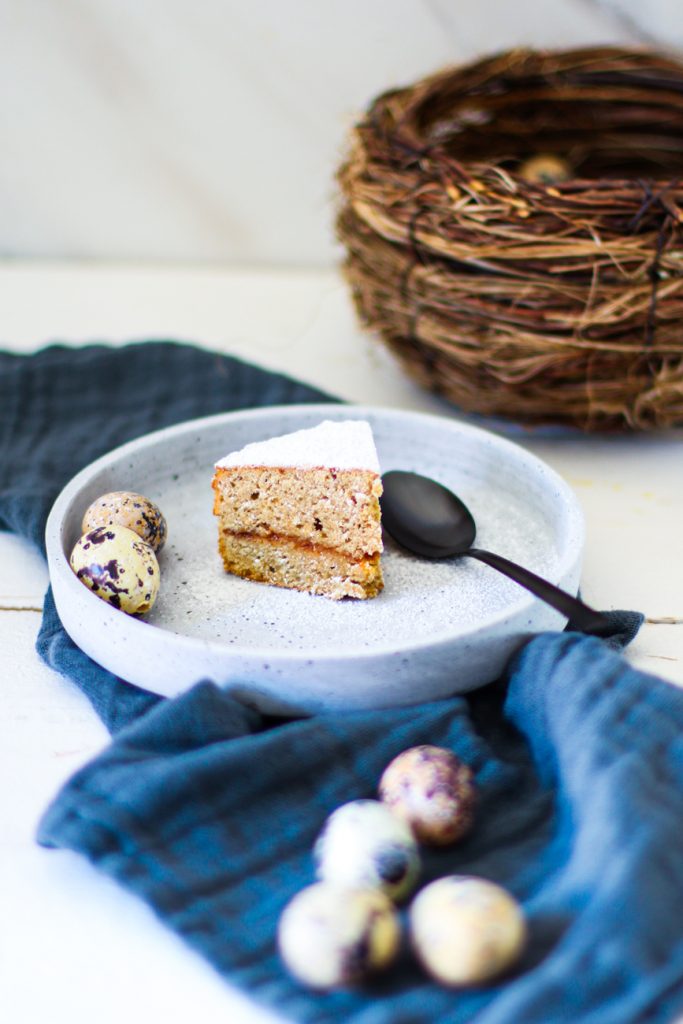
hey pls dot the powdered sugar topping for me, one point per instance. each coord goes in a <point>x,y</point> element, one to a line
<point>345,444</point>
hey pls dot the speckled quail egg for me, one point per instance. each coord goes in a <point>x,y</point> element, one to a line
<point>331,936</point>
<point>117,566</point>
<point>134,511</point>
<point>363,844</point>
<point>466,930</point>
<point>433,791</point>
<point>545,169</point>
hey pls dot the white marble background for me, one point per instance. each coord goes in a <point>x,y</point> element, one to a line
<point>209,130</point>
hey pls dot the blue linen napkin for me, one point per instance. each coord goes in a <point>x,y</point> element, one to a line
<point>208,810</point>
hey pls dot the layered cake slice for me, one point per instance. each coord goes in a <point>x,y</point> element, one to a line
<point>302,511</point>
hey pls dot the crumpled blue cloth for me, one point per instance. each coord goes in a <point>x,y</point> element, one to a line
<point>208,810</point>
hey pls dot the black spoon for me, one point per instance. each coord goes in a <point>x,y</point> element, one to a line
<point>427,519</point>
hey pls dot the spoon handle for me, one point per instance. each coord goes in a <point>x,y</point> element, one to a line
<point>581,617</point>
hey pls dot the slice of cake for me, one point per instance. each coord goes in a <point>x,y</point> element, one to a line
<point>302,511</point>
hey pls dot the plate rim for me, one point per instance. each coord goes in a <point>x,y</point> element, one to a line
<point>573,542</point>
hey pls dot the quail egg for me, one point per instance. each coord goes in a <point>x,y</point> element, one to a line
<point>545,169</point>
<point>117,566</point>
<point>330,936</point>
<point>433,791</point>
<point>466,930</point>
<point>363,844</point>
<point>134,511</point>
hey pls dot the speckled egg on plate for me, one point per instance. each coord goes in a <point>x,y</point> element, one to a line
<point>117,566</point>
<point>331,936</point>
<point>364,844</point>
<point>134,511</point>
<point>466,930</point>
<point>433,791</point>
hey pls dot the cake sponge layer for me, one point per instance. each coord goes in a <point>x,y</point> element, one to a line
<point>283,562</point>
<point>330,508</point>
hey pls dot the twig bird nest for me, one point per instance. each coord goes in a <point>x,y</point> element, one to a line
<point>513,232</point>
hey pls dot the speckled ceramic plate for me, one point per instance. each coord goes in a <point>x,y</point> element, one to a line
<point>436,629</point>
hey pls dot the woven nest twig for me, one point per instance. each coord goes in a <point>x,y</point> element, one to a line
<point>543,301</point>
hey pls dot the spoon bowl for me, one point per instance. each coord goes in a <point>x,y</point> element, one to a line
<point>425,517</point>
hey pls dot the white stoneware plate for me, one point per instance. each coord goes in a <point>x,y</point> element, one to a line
<point>437,628</point>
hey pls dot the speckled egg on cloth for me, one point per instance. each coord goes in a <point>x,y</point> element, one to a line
<point>466,930</point>
<point>118,567</point>
<point>134,511</point>
<point>433,791</point>
<point>364,844</point>
<point>331,936</point>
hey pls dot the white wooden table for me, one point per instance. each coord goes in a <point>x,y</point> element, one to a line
<point>73,946</point>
